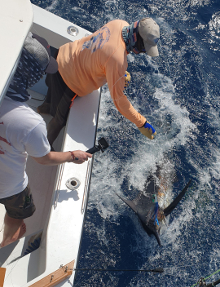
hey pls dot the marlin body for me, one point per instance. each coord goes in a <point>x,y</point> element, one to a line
<point>146,206</point>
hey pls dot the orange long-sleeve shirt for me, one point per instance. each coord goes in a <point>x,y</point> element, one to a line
<point>87,64</point>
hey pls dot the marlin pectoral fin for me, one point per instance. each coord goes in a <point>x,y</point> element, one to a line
<point>129,203</point>
<point>173,204</point>
<point>142,206</point>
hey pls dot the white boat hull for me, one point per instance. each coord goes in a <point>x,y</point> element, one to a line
<point>60,193</point>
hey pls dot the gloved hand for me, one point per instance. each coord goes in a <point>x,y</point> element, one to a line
<point>127,79</point>
<point>148,131</point>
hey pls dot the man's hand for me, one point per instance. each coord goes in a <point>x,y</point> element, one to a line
<point>148,131</point>
<point>81,156</point>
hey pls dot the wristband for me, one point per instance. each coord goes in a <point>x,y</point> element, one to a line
<point>72,155</point>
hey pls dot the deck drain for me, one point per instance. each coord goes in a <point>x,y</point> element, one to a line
<point>72,30</point>
<point>73,183</point>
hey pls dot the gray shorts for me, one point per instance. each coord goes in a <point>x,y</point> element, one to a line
<point>21,205</point>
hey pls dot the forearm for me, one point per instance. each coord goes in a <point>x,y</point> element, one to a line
<point>124,106</point>
<point>56,158</point>
<point>129,112</point>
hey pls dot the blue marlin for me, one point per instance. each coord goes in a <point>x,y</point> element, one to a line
<point>146,206</point>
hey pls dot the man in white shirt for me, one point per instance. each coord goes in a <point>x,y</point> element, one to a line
<point>23,133</point>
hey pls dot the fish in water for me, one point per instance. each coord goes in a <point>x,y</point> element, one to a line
<point>146,206</point>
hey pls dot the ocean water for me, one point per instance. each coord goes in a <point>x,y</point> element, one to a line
<point>178,92</point>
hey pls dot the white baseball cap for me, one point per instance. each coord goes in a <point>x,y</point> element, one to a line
<point>150,33</point>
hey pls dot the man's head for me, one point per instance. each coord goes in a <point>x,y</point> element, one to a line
<point>34,62</point>
<point>142,37</point>
<point>150,34</point>
<point>39,48</point>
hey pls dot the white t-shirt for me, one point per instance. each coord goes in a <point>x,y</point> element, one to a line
<point>22,132</point>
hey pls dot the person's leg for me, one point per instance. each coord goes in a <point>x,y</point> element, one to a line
<point>53,129</point>
<point>60,105</point>
<point>59,120</point>
<point>14,229</point>
<point>45,108</point>
<point>18,207</point>
<point>51,80</point>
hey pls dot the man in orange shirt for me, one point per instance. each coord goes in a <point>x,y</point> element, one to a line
<point>87,64</point>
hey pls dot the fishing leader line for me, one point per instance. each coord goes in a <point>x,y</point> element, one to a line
<point>156,270</point>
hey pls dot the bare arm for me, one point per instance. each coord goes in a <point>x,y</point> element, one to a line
<point>55,158</point>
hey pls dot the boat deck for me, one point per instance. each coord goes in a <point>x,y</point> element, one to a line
<point>41,181</point>
<point>60,193</point>
<point>60,210</point>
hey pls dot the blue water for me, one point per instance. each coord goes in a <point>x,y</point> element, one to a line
<point>178,92</point>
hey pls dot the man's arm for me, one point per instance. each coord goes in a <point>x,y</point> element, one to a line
<point>116,85</point>
<point>55,158</point>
